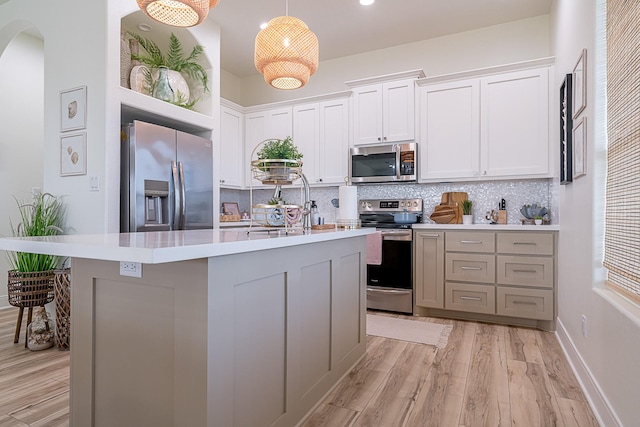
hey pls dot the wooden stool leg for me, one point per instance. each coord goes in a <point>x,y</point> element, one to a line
<point>18,325</point>
<point>26,336</point>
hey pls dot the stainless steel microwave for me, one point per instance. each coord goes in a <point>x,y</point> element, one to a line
<point>383,163</point>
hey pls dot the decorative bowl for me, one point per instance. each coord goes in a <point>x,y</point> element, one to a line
<point>533,210</point>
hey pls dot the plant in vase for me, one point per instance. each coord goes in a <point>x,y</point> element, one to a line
<point>467,208</point>
<point>31,278</point>
<point>538,220</point>
<point>176,63</point>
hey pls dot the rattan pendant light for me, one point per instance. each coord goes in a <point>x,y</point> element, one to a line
<point>286,52</point>
<point>178,13</point>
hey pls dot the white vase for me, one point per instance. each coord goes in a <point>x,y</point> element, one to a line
<point>467,219</point>
<point>538,221</point>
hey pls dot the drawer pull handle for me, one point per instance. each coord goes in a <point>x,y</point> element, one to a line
<point>524,302</point>
<point>470,268</point>
<point>430,235</point>
<point>524,271</point>
<point>471,298</point>
<point>525,243</point>
<point>471,242</point>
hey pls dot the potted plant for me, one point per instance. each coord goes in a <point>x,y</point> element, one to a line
<point>31,278</point>
<point>276,157</point>
<point>467,216</point>
<point>177,64</point>
<point>538,220</point>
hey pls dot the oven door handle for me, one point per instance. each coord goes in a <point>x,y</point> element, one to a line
<point>389,291</point>
<point>396,235</point>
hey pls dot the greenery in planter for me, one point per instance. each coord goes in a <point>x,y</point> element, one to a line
<point>173,60</point>
<point>279,149</point>
<point>43,216</point>
<point>467,206</point>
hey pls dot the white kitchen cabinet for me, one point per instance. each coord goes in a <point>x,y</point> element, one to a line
<point>321,131</point>
<point>384,112</point>
<point>269,124</point>
<point>515,123</point>
<point>486,127</point>
<point>231,148</point>
<point>450,130</point>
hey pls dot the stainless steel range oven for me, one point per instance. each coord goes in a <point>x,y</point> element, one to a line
<point>390,284</point>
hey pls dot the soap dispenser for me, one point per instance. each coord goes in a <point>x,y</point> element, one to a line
<point>314,213</point>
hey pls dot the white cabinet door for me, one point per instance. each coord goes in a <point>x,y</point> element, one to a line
<point>449,130</point>
<point>398,105</point>
<point>384,113</point>
<point>367,117</point>
<point>306,135</point>
<point>515,123</point>
<point>333,153</point>
<point>270,124</point>
<point>231,148</point>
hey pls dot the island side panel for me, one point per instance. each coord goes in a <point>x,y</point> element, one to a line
<point>138,345</point>
<point>299,311</point>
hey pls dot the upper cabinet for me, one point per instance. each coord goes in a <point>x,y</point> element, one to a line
<point>384,108</point>
<point>231,147</point>
<point>321,131</point>
<point>492,126</point>
<point>275,123</point>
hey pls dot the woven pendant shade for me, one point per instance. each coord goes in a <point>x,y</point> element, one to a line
<point>178,13</point>
<point>286,53</point>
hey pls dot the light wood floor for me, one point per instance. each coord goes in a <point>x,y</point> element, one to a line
<point>487,375</point>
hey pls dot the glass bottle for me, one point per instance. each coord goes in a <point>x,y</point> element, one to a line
<point>314,213</point>
<point>162,89</point>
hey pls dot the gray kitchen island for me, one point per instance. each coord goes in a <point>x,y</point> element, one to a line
<point>223,328</point>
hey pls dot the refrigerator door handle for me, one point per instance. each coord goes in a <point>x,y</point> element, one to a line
<point>183,198</point>
<point>177,203</point>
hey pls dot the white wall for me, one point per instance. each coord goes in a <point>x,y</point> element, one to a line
<point>21,121</point>
<point>497,45</point>
<point>606,359</point>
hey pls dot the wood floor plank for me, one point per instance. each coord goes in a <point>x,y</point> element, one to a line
<point>563,381</point>
<point>396,397</point>
<point>360,385</point>
<point>522,345</point>
<point>576,413</point>
<point>440,401</point>
<point>532,400</point>
<point>7,421</point>
<point>486,399</point>
<point>328,415</point>
<point>53,411</point>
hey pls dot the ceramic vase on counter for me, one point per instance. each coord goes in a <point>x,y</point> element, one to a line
<point>162,89</point>
<point>467,219</point>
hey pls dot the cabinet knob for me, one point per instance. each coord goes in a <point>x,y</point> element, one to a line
<point>379,139</point>
<point>484,173</point>
<point>222,181</point>
<point>385,138</point>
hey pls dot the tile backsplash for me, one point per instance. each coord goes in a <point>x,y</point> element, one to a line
<point>485,196</point>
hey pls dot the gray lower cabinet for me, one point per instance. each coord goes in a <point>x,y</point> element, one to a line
<point>501,276</point>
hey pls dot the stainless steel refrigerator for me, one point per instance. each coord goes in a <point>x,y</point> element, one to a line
<point>166,179</point>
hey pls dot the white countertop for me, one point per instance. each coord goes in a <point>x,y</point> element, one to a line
<point>169,246</point>
<point>487,226</point>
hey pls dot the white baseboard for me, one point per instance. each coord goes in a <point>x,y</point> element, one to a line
<point>596,398</point>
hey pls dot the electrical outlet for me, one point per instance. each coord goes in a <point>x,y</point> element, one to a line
<point>94,183</point>
<point>584,326</point>
<point>132,269</point>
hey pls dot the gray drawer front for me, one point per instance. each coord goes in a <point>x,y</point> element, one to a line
<point>470,268</point>
<point>525,271</point>
<point>470,298</point>
<point>470,241</point>
<point>526,303</point>
<point>533,243</point>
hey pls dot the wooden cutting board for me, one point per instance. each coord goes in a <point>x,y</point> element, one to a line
<point>450,205</point>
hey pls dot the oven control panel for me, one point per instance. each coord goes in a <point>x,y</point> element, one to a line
<point>389,205</point>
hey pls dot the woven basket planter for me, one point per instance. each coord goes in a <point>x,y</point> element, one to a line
<point>30,289</point>
<point>62,286</point>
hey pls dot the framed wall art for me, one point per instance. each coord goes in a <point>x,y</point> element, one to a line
<point>73,154</point>
<point>580,148</point>
<point>566,131</point>
<point>73,109</point>
<point>230,208</point>
<point>579,77</point>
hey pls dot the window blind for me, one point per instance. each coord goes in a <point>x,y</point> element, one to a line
<point>622,216</point>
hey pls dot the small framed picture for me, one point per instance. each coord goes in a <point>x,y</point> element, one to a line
<point>580,85</point>
<point>580,148</point>
<point>73,154</point>
<point>73,109</point>
<point>230,208</point>
<point>566,130</point>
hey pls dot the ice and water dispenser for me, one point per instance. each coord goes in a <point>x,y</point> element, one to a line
<point>156,202</point>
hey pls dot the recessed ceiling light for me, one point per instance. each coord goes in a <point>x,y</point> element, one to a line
<point>144,27</point>
<point>366,2</point>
